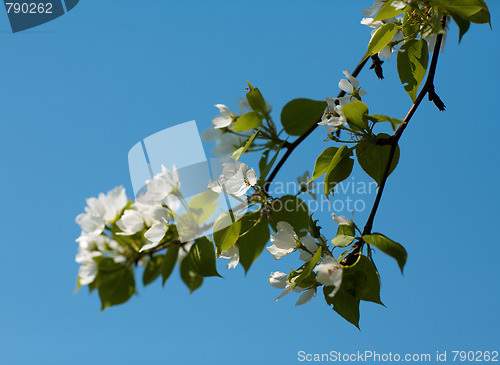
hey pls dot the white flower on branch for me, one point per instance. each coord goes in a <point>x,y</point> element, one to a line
<point>130,223</point>
<point>284,241</point>
<point>333,118</point>
<point>224,119</point>
<point>225,142</point>
<point>236,179</point>
<point>93,246</point>
<point>399,5</point>
<point>154,235</point>
<point>310,244</point>
<point>341,220</point>
<point>160,189</point>
<point>351,86</point>
<point>102,210</point>
<point>374,9</point>
<point>232,254</point>
<point>279,280</point>
<point>329,273</point>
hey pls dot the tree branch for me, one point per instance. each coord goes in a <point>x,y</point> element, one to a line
<point>294,144</point>
<point>428,87</point>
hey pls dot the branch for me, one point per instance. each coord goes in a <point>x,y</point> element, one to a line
<point>427,88</point>
<point>295,143</point>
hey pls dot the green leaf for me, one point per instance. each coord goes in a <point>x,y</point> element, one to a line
<point>202,257</point>
<point>299,115</point>
<point>481,17</point>
<point>265,169</point>
<point>253,240</point>
<point>412,65</point>
<point>463,25</point>
<point>381,38</point>
<point>323,161</point>
<point>115,282</point>
<point>168,263</point>
<point>192,280</point>
<point>292,210</point>
<point>362,279</point>
<point>247,121</point>
<point>256,100</point>
<point>152,269</point>
<point>373,157</point>
<point>388,246</point>
<point>346,230</point>
<point>387,11</point>
<point>377,118</point>
<point>356,113</point>
<point>359,282</point>
<point>240,151</point>
<point>344,303</point>
<point>225,232</point>
<point>304,279</point>
<point>342,240</point>
<point>339,169</point>
<point>203,206</point>
<point>410,29</point>
<point>474,10</point>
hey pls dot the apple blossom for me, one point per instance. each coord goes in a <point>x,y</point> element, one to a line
<point>341,220</point>
<point>310,244</point>
<point>233,254</point>
<point>236,179</point>
<point>224,119</point>
<point>279,280</point>
<point>329,273</point>
<point>161,187</point>
<point>284,241</point>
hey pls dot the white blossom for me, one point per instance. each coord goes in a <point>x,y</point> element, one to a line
<point>226,143</point>
<point>374,9</point>
<point>233,254</point>
<point>87,272</point>
<point>341,220</point>
<point>154,235</point>
<point>399,5</point>
<point>310,244</point>
<point>161,187</point>
<point>102,210</point>
<point>283,242</point>
<point>224,119</point>
<point>130,222</point>
<point>329,273</point>
<point>279,280</point>
<point>351,85</point>
<point>236,179</point>
<point>333,118</point>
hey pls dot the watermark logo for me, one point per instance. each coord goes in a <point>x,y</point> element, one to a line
<point>171,167</point>
<point>32,13</point>
<point>207,195</point>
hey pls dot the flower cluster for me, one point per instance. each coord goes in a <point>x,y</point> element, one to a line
<point>99,213</point>
<point>328,270</point>
<point>333,118</point>
<point>226,140</point>
<point>111,217</point>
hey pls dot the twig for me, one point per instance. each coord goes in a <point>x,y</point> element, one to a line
<point>299,140</point>
<point>429,85</point>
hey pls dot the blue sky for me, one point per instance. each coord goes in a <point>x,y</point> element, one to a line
<point>77,93</point>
